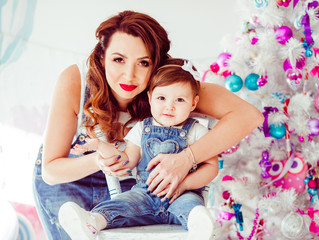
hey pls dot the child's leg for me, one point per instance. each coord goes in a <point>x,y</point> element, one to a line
<point>132,208</point>
<point>182,206</point>
<point>79,223</point>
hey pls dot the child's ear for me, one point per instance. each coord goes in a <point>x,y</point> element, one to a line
<point>195,101</point>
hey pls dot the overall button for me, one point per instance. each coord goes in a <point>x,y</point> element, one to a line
<point>182,134</point>
<point>38,162</point>
<point>82,138</point>
<point>41,150</point>
<point>147,129</point>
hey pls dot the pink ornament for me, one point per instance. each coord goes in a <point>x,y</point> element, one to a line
<point>295,175</point>
<point>299,64</point>
<point>222,59</point>
<point>313,126</point>
<point>262,81</point>
<point>312,183</point>
<point>293,78</point>
<point>214,67</point>
<point>301,139</point>
<point>226,195</point>
<point>283,34</point>
<point>316,102</point>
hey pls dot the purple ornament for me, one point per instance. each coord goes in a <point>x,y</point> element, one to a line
<point>283,34</point>
<point>313,126</point>
<point>222,59</point>
<point>316,102</point>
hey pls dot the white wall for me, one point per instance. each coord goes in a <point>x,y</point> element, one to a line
<point>62,33</point>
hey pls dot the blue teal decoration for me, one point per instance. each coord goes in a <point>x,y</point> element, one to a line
<point>251,81</point>
<point>10,51</point>
<point>277,130</point>
<point>233,83</point>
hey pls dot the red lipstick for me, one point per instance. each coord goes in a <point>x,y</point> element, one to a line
<point>128,88</point>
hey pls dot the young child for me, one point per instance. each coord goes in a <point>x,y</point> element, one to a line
<point>173,95</point>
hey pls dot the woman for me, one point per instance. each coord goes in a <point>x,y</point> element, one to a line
<point>108,98</point>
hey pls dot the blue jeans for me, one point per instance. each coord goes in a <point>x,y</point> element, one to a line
<point>137,207</point>
<point>86,192</point>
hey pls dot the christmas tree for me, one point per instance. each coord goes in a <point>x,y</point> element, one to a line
<point>268,186</point>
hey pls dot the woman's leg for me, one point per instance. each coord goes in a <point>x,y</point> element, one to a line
<point>86,192</point>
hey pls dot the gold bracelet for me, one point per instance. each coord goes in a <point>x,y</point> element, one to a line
<point>194,162</point>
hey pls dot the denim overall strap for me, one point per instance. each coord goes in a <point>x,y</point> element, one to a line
<point>148,121</point>
<point>189,124</point>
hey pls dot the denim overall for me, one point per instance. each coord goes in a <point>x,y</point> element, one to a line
<point>139,207</point>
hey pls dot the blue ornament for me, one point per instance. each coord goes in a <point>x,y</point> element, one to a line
<point>233,83</point>
<point>261,3</point>
<point>251,81</point>
<point>277,131</point>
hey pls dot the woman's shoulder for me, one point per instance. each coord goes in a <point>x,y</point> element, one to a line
<point>69,86</point>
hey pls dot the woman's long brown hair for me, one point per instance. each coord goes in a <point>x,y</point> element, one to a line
<point>101,107</point>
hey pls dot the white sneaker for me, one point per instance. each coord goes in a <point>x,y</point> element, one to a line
<point>78,223</point>
<point>201,225</point>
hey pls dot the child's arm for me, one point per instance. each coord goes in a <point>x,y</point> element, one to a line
<point>200,178</point>
<point>107,150</point>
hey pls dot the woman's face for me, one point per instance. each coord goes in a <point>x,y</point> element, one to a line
<point>127,67</point>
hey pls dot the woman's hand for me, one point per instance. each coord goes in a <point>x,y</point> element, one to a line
<point>179,191</point>
<point>169,172</point>
<point>113,166</point>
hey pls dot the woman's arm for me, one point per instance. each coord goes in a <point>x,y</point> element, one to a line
<point>60,130</point>
<point>237,118</point>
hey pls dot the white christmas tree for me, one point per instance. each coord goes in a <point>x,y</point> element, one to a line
<point>268,187</point>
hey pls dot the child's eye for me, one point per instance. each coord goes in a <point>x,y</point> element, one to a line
<point>161,98</point>
<point>180,100</point>
<point>144,63</point>
<point>118,60</point>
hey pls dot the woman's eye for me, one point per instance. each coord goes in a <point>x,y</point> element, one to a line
<point>161,98</point>
<point>118,60</point>
<point>180,100</point>
<point>144,63</point>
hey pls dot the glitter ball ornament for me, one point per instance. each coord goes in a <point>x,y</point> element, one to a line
<point>316,102</point>
<point>251,81</point>
<point>277,130</point>
<point>292,226</point>
<point>283,34</point>
<point>233,83</point>
<point>313,126</point>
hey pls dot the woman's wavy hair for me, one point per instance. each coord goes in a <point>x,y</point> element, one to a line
<point>101,108</point>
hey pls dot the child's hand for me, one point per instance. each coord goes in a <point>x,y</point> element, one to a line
<point>91,144</point>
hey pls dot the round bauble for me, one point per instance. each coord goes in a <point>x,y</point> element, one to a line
<point>277,130</point>
<point>222,59</point>
<point>292,226</point>
<point>251,81</point>
<point>313,126</point>
<point>283,34</point>
<point>233,83</point>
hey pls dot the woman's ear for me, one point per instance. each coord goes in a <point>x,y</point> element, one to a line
<point>195,101</point>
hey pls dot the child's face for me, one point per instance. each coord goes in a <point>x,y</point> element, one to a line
<point>171,105</point>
